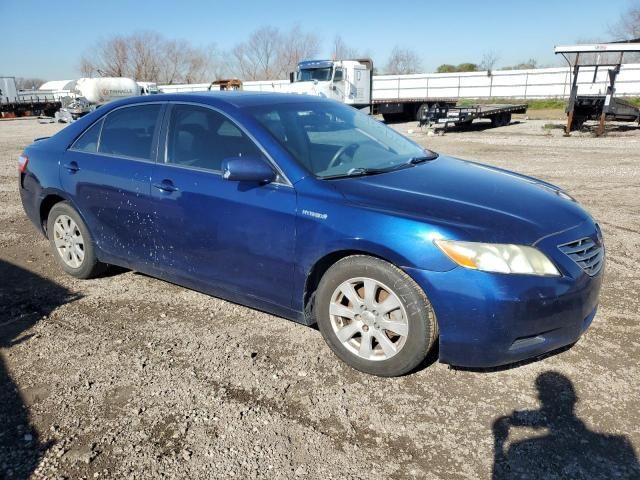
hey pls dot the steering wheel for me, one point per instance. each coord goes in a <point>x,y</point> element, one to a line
<point>342,151</point>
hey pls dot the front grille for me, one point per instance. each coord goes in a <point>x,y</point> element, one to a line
<point>587,254</point>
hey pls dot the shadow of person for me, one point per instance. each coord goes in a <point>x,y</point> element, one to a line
<point>24,299</point>
<point>568,449</point>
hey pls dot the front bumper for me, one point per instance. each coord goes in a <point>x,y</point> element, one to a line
<point>488,319</point>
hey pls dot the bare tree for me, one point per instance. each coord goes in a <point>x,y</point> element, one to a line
<point>172,62</point>
<point>181,62</point>
<point>28,83</point>
<point>148,56</point>
<point>269,54</point>
<point>341,51</point>
<point>145,52</point>
<point>218,62</point>
<point>296,45</point>
<point>403,61</point>
<point>112,57</point>
<point>86,67</point>
<point>257,58</point>
<point>628,27</point>
<point>489,60</point>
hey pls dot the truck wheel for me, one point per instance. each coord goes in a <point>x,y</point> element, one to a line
<point>72,243</point>
<point>374,317</point>
<point>422,111</point>
<point>500,119</point>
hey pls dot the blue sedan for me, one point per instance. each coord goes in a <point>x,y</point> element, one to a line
<point>311,210</point>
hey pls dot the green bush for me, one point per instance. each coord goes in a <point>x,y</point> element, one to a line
<point>534,104</point>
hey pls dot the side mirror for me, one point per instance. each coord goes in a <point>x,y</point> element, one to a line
<point>291,77</point>
<point>250,168</point>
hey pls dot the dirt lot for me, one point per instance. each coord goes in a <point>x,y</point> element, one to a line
<point>127,376</point>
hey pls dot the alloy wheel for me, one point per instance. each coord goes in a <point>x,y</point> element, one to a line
<point>368,318</point>
<point>68,241</point>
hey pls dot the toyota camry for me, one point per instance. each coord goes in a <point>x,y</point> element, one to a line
<point>311,210</point>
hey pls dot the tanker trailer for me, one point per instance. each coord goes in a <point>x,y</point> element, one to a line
<point>90,93</point>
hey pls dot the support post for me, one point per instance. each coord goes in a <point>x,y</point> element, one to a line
<point>611,90</point>
<point>572,96</point>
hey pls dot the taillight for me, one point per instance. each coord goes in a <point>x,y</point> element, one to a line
<point>23,161</point>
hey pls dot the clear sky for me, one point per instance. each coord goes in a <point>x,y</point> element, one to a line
<point>46,38</point>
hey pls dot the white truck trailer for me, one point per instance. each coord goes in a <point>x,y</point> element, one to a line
<point>15,103</point>
<point>352,82</point>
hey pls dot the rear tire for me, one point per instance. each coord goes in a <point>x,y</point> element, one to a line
<point>71,242</point>
<point>374,317</point>
<point>422,111</point>
<point>501,120</point>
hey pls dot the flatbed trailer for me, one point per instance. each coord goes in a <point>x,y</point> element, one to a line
<point>407,109</point>
<point>30,106</point>
<point>14,103</point>
<point>442,117</point>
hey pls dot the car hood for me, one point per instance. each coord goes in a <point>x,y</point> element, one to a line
<point>474,202</point>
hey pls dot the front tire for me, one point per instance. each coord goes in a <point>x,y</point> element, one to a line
<point>374,317</point>
<point>71,242</point>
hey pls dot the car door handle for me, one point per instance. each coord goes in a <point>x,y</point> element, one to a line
<point>166,186</point>
<point>72,167</point>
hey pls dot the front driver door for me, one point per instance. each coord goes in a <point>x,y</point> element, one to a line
<point>219,235</point>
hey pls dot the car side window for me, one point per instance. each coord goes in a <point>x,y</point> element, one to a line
<point>203,138</point>
<point>88,141</point>
<point>129,131</point>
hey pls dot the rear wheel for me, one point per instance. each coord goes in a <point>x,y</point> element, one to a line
<point>374,316</point>
<point>422,111</point>
<point>72,243</point>
<point>501,119</point>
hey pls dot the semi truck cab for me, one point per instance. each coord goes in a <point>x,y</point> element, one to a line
<point>347,81</point>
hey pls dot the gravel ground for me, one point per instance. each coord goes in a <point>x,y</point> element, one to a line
<point>127,376</point>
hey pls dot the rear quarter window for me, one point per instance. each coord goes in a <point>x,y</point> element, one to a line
<point>129,131</point>
<point>88,141</point>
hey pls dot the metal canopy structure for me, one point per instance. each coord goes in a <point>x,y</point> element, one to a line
<point>595,55</point>
<point>630,46</point>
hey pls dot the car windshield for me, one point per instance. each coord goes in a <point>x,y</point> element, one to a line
<point>333,140</point>
<point>310,74</point>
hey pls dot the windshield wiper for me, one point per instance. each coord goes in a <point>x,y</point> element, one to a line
<point>362,171</point>
<point>423,158</point>
<point>358,172</point>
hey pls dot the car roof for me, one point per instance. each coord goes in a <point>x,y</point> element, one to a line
<point>237,99</point>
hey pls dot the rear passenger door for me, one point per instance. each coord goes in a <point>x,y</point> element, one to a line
<point>218,235</point>
<point>107,171</point>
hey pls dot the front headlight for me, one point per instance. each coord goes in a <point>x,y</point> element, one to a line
<point>497,257</point>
